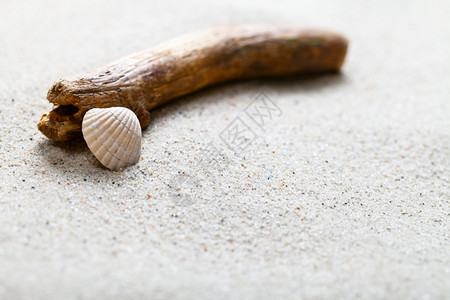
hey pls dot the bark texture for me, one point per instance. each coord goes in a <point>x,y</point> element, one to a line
<point>152,77</point>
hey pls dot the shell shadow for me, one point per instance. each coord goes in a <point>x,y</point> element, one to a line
<point>70,155</point>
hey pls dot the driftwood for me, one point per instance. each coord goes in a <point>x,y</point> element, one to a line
<point>147,79</point>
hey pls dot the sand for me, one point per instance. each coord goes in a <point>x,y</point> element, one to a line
<point>342,193</point>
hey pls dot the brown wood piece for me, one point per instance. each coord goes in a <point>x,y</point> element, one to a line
<point>152,77</point>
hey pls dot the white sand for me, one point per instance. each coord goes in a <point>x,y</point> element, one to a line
<point>346,194</point>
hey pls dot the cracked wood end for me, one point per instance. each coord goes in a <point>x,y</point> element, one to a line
<point>147,79</point>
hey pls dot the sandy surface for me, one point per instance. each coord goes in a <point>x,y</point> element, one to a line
<point>343,193</point>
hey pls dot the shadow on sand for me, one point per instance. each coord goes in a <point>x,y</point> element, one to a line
<point>75,153</point>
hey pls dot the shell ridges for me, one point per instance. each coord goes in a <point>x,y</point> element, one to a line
<point>113,135</point>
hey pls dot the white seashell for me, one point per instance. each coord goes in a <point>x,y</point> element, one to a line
<point>113,135</point>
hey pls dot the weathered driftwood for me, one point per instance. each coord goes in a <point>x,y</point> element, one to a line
<point>147,79</point>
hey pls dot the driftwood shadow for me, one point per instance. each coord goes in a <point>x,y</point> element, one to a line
<point>75,154</point>
<point>301,85</point>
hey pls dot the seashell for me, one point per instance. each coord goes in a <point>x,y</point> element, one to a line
<point>113,135</point>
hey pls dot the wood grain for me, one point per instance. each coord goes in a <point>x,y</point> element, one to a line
<point>152,77</point>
